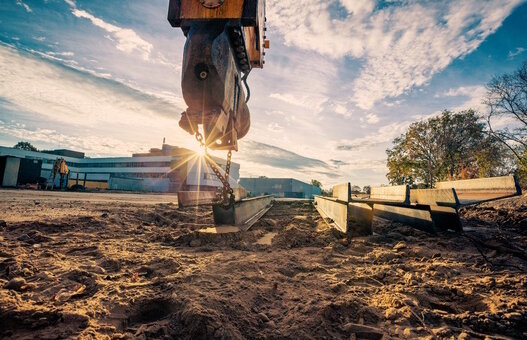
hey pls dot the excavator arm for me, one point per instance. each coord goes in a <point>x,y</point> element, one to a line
<point>225,41</point>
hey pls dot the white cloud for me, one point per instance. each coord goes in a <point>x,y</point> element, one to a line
<point>340,108</point>
<point>402,46</point>
<point>91,145</point>
<point>516,52</point>
<point>475,95</point>
<point>382,137</point>
<point>127,39</point>
<point>81,101</point>
<point>26,7</point>
<point>311,102</point>
<point>359,7</point>
<point>275,127</point>
<point>371,118</point>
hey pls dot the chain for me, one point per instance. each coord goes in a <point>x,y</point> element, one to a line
<point>227,197</point>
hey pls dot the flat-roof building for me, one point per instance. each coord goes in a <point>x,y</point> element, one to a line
<point>169,169</point>
<point>280,187</point>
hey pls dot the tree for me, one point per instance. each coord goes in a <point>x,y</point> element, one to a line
<point>507,102</point>
<point>355,189</point>
<point>460,136</point>
<point>316,183</point>
<point>25,146</point>
<point>366,189</point>
<point>449,146</point>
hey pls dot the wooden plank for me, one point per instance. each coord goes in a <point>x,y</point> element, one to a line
<point>194,10</point>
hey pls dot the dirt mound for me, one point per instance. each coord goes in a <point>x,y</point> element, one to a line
<point>303,234</point>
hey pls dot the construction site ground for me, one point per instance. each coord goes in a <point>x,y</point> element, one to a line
<point>124,266</point>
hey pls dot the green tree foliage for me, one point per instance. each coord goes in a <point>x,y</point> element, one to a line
<point>449,146</point>
<point>25,146</point>
<point>316,183</point>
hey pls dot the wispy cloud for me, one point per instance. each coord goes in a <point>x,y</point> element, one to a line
<point>278,157</point>
<point>127,39</point>
<point>70,97</point>
<point>370,118</point>
<point>400,52</point>
<point>516,52</point>
<point>304,101</point>
<point>92,145</point>
<point>26,7</point>
<point>475,95</point>
<point>382,136</point>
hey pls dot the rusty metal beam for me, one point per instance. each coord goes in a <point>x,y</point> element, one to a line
<point>243,213</point>
<point>430,218</point>
<point>478,190</point>
<point>353,219</point>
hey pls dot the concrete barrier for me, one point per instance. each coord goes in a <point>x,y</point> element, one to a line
<point>472,191</point>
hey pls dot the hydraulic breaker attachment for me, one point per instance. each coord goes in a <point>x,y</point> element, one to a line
<point>225,38</point>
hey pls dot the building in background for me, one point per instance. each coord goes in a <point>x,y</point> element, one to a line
<point>169,169</point>
<point>280,187</point>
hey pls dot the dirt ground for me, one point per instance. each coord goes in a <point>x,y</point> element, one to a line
<point>103,266</point>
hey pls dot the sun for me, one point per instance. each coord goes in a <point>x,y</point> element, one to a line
<point>201,151</point>
<point>198,150</point>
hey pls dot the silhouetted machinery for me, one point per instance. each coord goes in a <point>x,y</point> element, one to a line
<point>225,41</point>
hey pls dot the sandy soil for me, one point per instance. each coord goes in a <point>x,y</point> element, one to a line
<point>94,267</point>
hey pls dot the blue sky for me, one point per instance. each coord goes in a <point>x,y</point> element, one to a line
<point>341,80</point>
